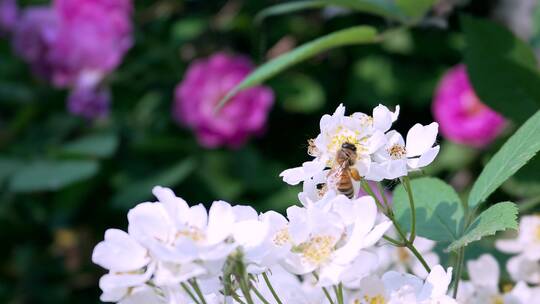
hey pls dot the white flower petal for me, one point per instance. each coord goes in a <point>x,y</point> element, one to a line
<point>425,159</point>
<point>220,222</point>
<point>421,138</point>
<point>484,272</point>
<point>119,252</point>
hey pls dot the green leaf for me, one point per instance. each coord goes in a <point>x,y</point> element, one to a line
<point>514,154</point>
<point>439,212</point>
<point>498,217</point>
<point>137,191</point>
<point>8,166</point>
<point>415,8</point>
<point>502,69</point>
<point>51,175</point>
<point>385,8</point>
<point>97,145</point>
<point>349,36</point>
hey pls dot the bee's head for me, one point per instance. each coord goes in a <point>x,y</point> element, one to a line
<point>349,146</point>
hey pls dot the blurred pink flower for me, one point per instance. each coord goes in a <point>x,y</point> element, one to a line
<point>205,83</point>
<point>462,117</point>
<point>92,36</point>
<point>33,37</point>
<point>89,102</point>
<point>72,39</point>
<point>8,15</point>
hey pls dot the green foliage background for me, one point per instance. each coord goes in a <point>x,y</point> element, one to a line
<point>64,180</point>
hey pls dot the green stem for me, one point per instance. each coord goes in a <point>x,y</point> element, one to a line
<point>188,291</point>
<point>271,288</point>
<point>459,269</point>
<point>327,294</point>
<point>383,195</point>
<point>244,287</point>
<point>368,190</point>
<point>393,241</point>
<point>237,298</point>
<point>195,287</point>
<point>413,210</point>
<point>259,295</point>
<point>418,256</point>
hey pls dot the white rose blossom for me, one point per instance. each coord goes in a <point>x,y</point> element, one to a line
<point>365,132</point>
<point>402,288</point>
<point>396,158</point>
<point>483,286</point>
<point>329,236</point>
<point>526,264</point>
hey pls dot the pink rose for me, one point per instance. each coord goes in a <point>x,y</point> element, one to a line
<point>8,15</point>
<point>462,117</point>
<point>205,83</point>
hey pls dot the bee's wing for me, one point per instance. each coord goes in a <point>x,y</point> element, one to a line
<point>335,174</point>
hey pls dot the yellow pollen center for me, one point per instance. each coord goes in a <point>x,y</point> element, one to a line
<point>396,151</point>
<point>192,233</point>
<point>506,288</point>
<point>318,249</point>
<point>282,237</point>
<point>403,255</point>
<point>497,300</point>
<point>537,233</point>
<point>378,299</point>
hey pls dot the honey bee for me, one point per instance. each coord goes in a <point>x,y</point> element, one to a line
<point>342,174</point>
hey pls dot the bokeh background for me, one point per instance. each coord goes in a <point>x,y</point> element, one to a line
<point>64,179</point>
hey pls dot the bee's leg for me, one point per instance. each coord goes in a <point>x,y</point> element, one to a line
<point>355,174</point>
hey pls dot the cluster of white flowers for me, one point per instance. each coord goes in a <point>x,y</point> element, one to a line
<point>329,248</point>
<point>170,246</point>
<point>381,153</point>
<point>483,286</point>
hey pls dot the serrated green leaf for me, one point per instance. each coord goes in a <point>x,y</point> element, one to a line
<point>439,212</point>
<point>514,154</point>
<point>385,8</point>
<point>51,175</point>
<point>349,36</point>
<point>415,8</point>
<point>137,191</point>
<point>498,217</point>
<point>97,145</point>
<point>502,69</point>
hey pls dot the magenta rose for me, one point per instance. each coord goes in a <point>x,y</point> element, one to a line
<point>92,36</point>
<point>462,117</point>
<point>205,83</point>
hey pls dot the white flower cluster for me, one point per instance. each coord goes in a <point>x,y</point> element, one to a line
<point>327,249</point>
<point>170,247</point>
<point>381,153</point>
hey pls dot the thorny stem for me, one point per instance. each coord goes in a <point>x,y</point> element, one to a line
<point>188,291</point>
<point>271,288</point>
<point>195,287</point>
<point>408,188</point>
